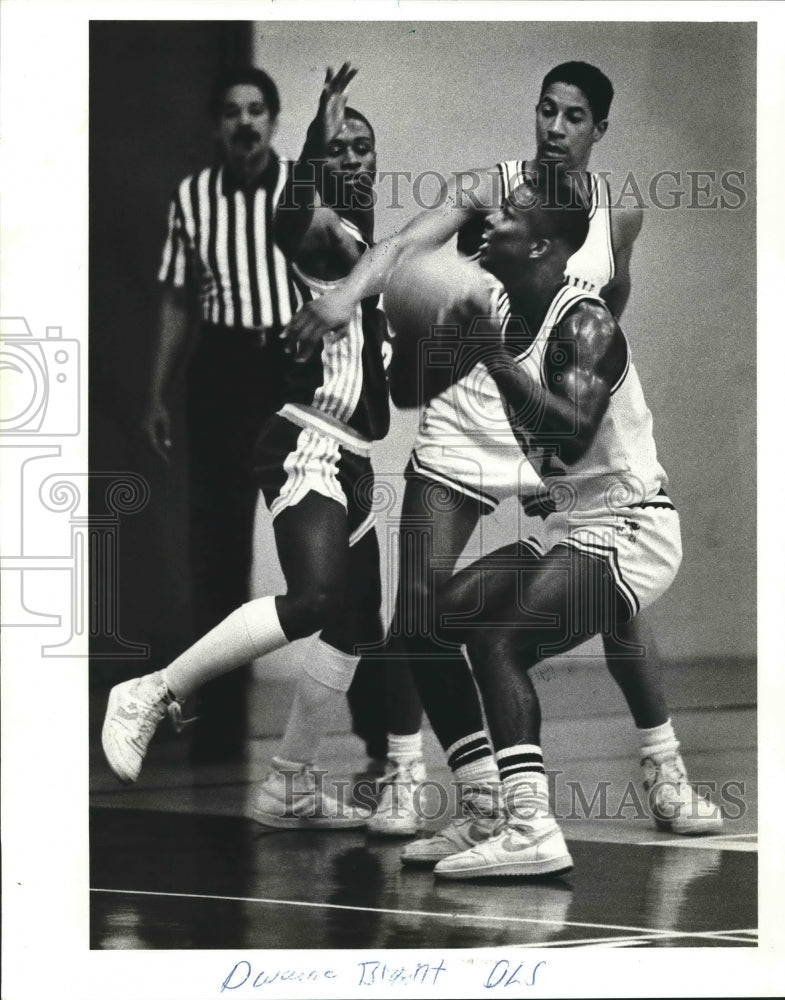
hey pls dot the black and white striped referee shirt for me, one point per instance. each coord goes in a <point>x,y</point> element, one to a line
<point>220,242</point>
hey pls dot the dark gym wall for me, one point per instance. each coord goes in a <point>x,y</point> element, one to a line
<point>149,127</point>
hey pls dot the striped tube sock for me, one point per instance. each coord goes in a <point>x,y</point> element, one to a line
<point>471,760</point>
<point>476,776</point>
<point>658,742</point>
<point>523,758</point>
<point>525,784</point>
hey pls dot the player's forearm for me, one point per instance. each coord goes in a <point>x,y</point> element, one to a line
<point>306,179</point>
<point>535,410</point>
<point>430,230</point>
<point>301,193</point>
<point>369,276</point>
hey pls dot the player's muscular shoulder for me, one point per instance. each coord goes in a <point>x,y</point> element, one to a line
<point>591,325</point>
<point>600,347</point>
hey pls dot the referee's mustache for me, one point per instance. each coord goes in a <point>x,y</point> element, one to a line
<point>245,134</point>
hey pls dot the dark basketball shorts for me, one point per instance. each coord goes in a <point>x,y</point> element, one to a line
<point>292,460</point>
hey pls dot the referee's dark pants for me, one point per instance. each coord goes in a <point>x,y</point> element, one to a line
<point>234,384</point>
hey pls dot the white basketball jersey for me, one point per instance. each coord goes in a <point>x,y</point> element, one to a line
<point>620,466</point>
<point>591,267</point>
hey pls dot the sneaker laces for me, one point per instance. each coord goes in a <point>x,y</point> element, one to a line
<point>175,712</point>
<point>478,802</point>
<point>390,776</point>
<point>150,707</point>
<point>672,770</point>
<point>669,767</point>
<point>499,824</point>
<point>399,771</point>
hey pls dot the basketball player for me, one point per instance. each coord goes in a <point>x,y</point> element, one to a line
<point>470,467</point>
<point>312,465</point>
<point>610,542</point>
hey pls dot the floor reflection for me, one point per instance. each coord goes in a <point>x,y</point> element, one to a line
<point>186,881</point>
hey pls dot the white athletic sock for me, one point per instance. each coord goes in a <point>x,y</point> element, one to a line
<point>658,741</point>
<point>404,749</point>
<point>525,784</point>
<point>318,698</point>
<point>250,631</point>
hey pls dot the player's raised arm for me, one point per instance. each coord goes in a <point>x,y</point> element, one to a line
<point>584,359</point>
<point>302,222</point>
<point>465,195</point>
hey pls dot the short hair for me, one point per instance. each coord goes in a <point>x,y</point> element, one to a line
<point>560,214</point>
<point>587,78</point>
<point>245,74</point>
<point>358,116</point>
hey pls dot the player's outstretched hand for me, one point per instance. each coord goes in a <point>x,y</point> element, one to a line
<point>326,315</point>
<point>332,101</point>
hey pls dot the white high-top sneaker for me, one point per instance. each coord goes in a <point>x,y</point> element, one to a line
<point>396,811</point>
<point>480,811</point>
<point>132,715</point>
<point>298,797</point>
<point>675,805</point>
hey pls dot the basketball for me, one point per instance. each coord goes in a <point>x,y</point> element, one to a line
<point>424,286</point>
<point>426,290</point>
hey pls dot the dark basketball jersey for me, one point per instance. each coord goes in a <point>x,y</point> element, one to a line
<point>345,381</point>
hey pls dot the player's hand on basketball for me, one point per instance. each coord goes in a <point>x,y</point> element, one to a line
<point>332,102</point>
<point>157,428</point>
<point>325,316</point>
<point>470,311</point>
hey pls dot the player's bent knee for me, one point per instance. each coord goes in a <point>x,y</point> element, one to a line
<point>487,648</point>
<point>312,611</point>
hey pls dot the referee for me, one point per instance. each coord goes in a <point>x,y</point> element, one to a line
<point>221,267</point>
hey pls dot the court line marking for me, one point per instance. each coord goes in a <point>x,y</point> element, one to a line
<point>626,943</point>
<point>653,932</point>
<point>597,941</point>
<point>644,938</point>
<point>703,844</point>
